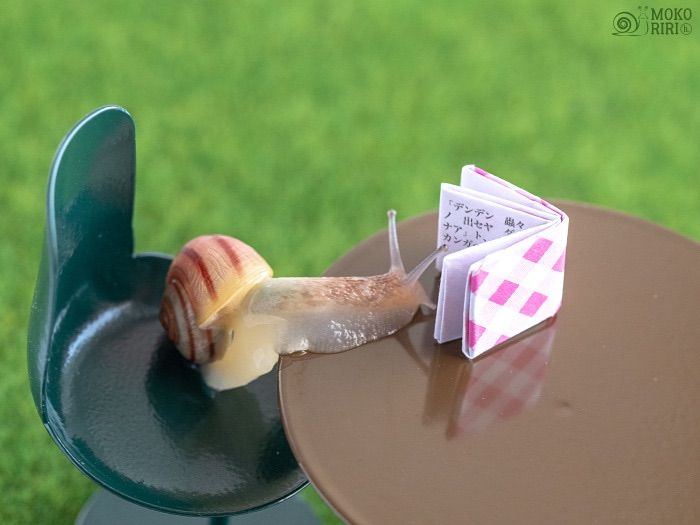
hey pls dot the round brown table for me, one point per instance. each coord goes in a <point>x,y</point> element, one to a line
<point>593,418</point>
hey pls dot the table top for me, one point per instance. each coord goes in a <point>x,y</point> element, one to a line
<point>590,418</point>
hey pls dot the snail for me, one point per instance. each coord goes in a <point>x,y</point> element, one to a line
<point>223,309</point>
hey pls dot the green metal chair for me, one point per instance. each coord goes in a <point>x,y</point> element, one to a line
<point>112,392</point>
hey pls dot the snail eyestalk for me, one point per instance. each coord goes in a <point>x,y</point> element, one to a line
<point>415,274</point>
<point>394,251</point>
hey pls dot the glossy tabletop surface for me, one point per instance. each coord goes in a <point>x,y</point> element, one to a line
<point>592,418</point>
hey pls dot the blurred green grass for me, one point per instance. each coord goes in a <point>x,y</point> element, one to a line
<point>294,127</point>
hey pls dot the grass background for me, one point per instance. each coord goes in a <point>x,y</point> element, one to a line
<point>296,126</point>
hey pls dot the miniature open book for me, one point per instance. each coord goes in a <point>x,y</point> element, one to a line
<point>503,270</point>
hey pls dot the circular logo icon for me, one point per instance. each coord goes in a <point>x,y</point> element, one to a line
<point>625,23</point>
<point>686,28</point>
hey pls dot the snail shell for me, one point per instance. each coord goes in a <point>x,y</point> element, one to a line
<point>206,281</point>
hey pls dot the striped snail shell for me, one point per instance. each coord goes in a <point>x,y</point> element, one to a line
<point>206,281</point>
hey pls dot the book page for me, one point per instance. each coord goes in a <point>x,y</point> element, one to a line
<point>469,218</point>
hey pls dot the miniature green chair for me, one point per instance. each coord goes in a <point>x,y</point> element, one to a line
<point>112,392</point>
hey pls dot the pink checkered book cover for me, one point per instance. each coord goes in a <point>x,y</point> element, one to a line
<point>504,268</point>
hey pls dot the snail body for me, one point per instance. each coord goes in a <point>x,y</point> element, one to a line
<point>237,331</point>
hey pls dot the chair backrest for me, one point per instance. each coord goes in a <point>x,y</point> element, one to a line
<point>88,235</point>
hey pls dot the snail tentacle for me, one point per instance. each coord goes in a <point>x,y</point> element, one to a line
<point>394,251</point>
<point>415,274</point>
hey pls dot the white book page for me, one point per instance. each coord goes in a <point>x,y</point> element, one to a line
<point>469,218</point>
